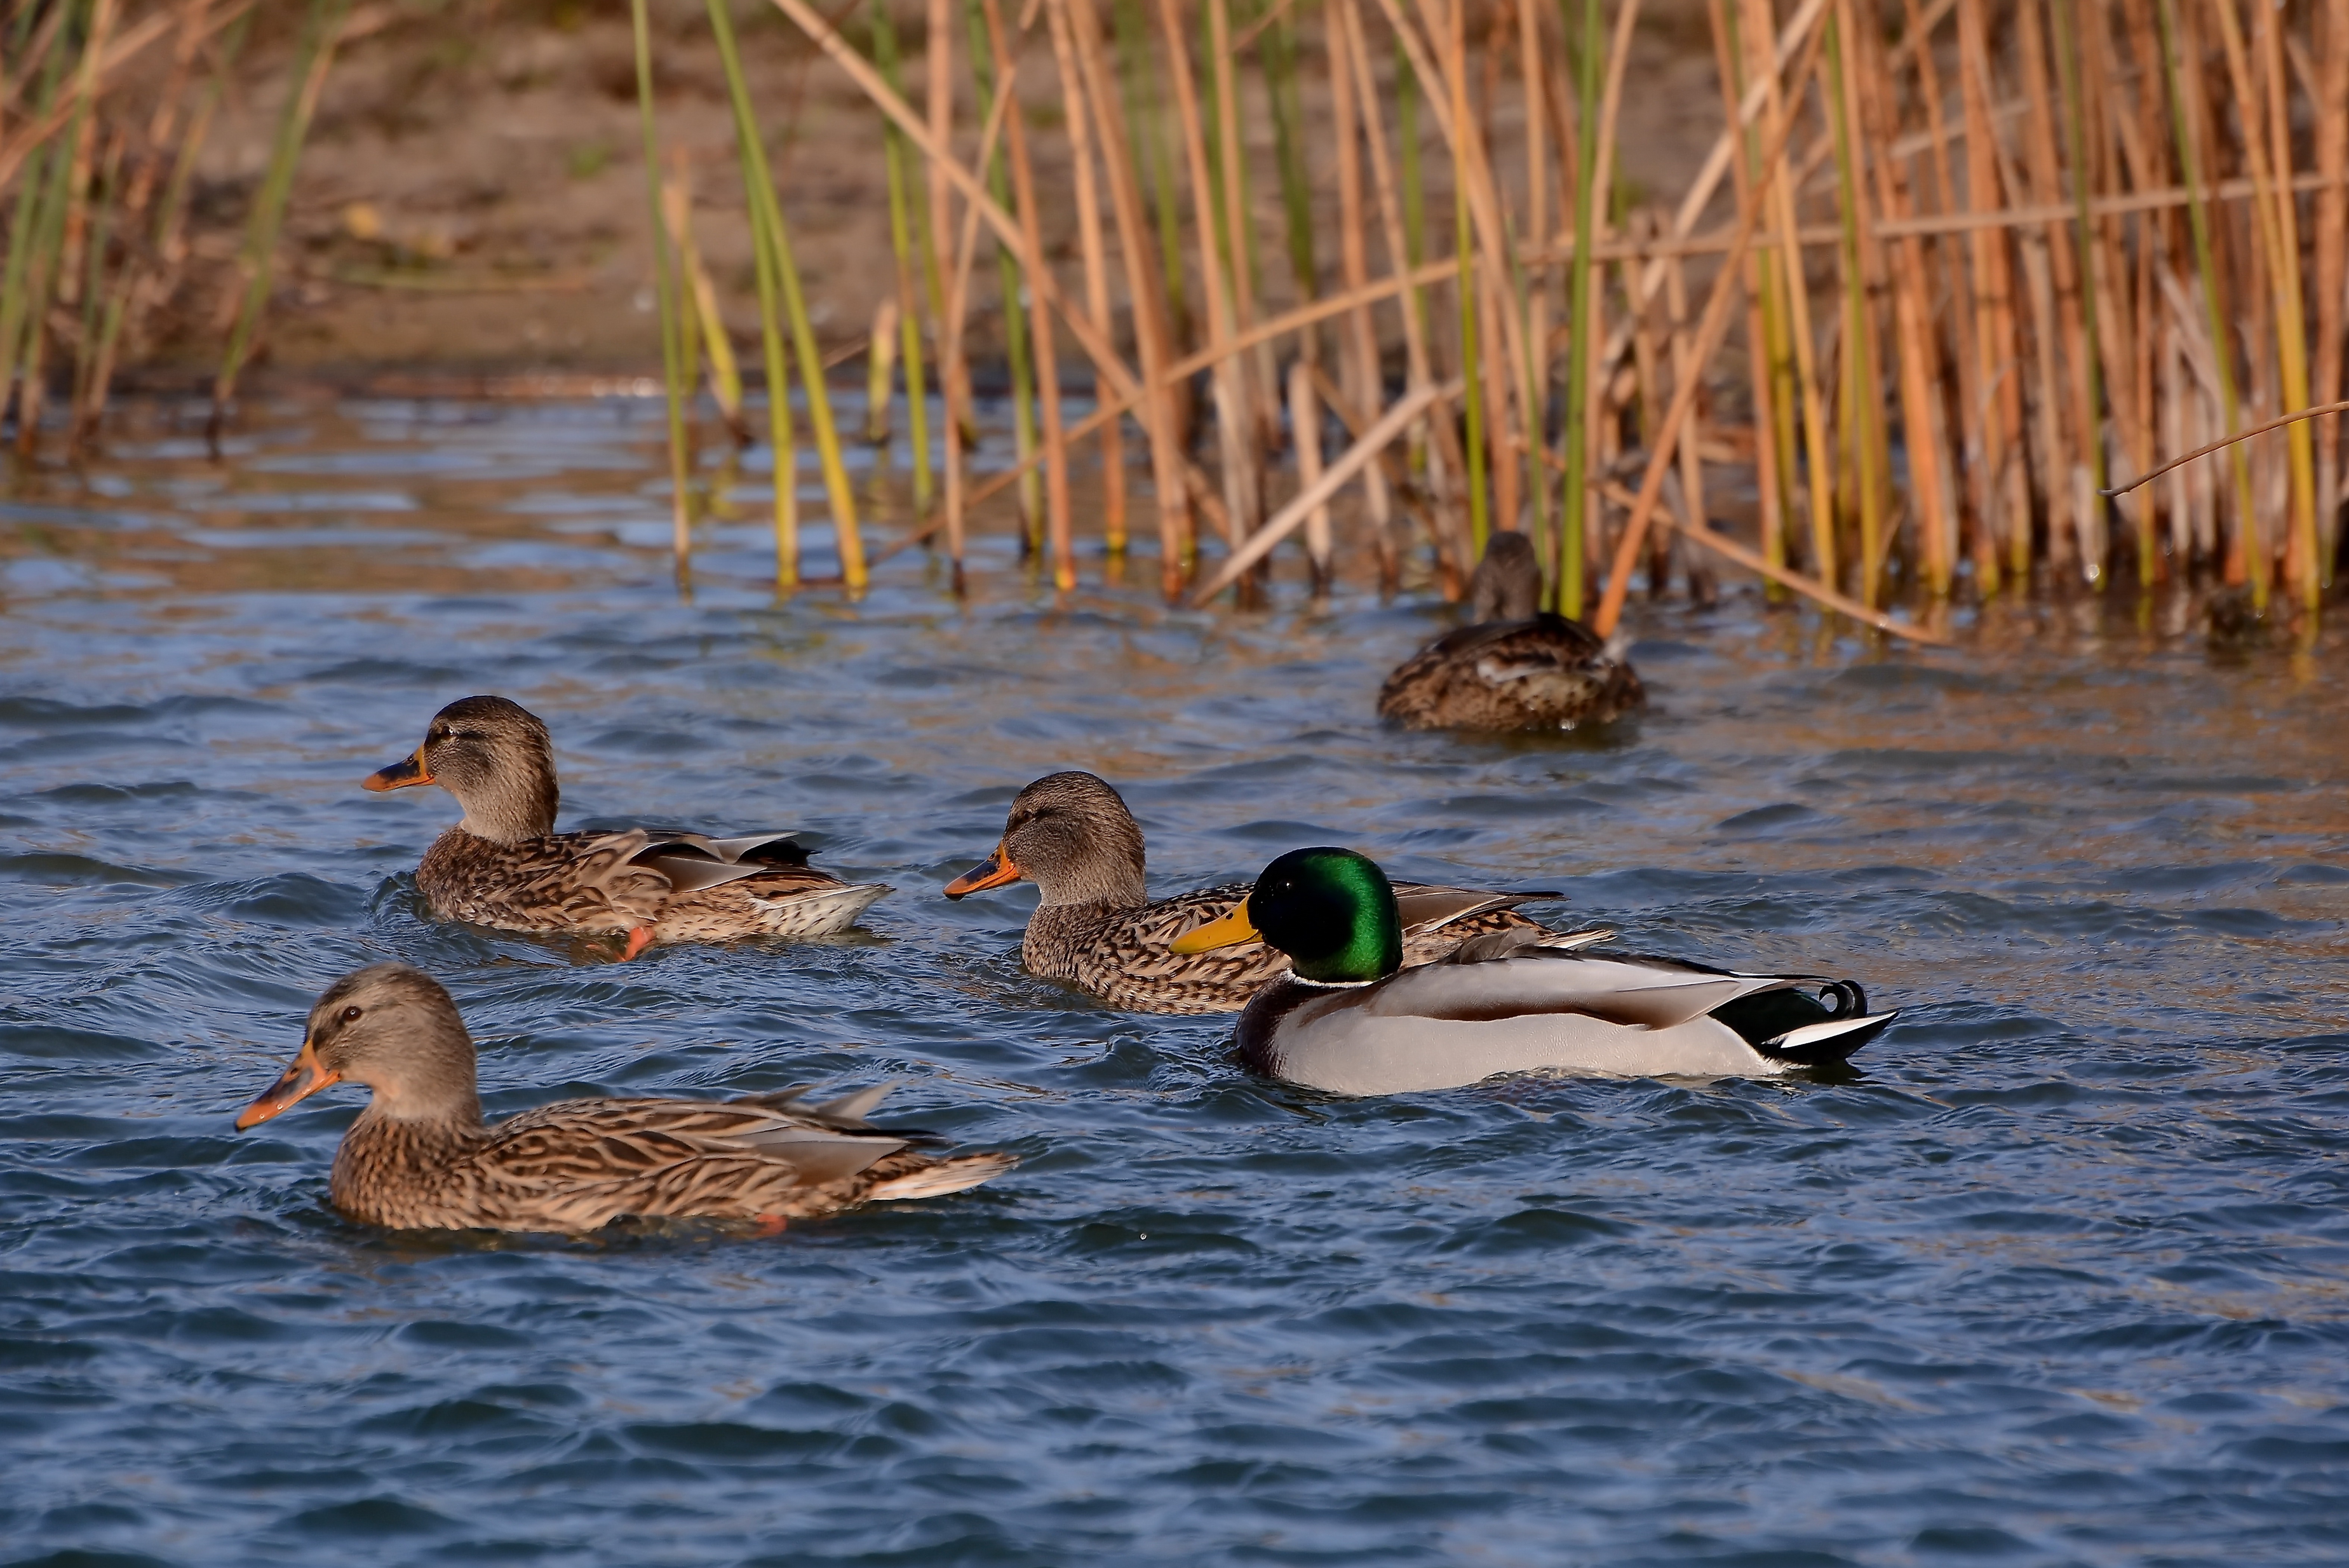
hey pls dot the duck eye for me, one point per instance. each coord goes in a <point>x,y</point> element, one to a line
<point>350,1014</point>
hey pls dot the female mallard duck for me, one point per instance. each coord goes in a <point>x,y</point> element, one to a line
<point>418,1157</point>
<point>1517,668</point>
<point>1070,834</point>
<point>1351,1021</point>
<point>504,865</point>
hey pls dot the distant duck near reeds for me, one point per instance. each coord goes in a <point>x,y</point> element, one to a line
<point>419,1157</point>
<point>504,865</point>
<point>1518,667</point>
<point>1098,928</point>
<point>1351,1020</point>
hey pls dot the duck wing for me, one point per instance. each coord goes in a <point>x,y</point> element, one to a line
<point>1426,908</point>
<point>580,880</point>
<point>692,861</point>
<point>582,1163</point>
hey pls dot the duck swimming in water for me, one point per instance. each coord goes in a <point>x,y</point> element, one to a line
<point>1518,667</point>
<point>420,1158</point>
<point>1072,835</point>
<point>1351,1021</point>
<point>503,864</point>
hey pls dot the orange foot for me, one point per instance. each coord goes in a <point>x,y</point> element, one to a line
<point>639,938</point>
<point>770,1226</point>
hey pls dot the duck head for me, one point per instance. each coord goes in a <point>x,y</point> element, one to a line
<point>1332,911</point>
<point>392,1028</point>
<point>496,758</point>
<point>1070,834</point>
<point>1508,582</point>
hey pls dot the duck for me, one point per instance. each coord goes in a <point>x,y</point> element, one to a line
<point>1516,667</point>
<point>421,1157</point>
<point>504,865</point>
<point>1350,1019</point>
<point>1098,928</point>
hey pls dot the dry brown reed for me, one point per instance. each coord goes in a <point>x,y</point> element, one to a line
<point>1961,262</point>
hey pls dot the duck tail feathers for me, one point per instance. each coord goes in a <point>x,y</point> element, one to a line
<point>938,1179</point>
<point>1835,1040</point>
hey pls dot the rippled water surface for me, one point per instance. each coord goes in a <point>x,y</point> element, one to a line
<point>2060,1280</point>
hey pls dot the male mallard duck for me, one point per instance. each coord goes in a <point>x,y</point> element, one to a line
<point>504,865</point>
<point>1070,834</point>
<point>1350,1020</point>
<point>418,1157</point>
<point>1517,668</point>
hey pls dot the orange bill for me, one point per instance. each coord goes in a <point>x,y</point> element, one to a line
<point>1229,932</point>
<point>406,772</point>
<point>306,1077</point>
<point>994,872</point>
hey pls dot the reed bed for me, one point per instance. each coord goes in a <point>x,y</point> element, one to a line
<point>1369,273</point>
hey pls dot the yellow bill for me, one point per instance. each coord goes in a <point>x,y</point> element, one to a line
<point>1228,932</point>
<point>304,1079</point>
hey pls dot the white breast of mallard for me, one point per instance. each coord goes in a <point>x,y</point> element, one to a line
<point>1446,1025</point>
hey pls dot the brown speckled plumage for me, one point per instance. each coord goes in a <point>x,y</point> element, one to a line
<point>1071,834</point>
<point>1517,667</point>
<point>420,1158</point>
<point>504,866</point>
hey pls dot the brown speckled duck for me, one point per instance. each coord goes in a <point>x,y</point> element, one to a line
<point>504,865</point>
<point>1517,668</point>
<point>418,1157</point>
<point>1072,835</point>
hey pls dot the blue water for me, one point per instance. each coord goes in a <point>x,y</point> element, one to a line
<point>2062,1279</point>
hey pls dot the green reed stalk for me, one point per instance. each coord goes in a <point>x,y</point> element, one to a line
<point>1153,151</point>
<point>2198,219</point>
<point>759,196</point>
<point>1861,381</point>
<point>838,494</point>
<point>665,294</point>
<point>1471,353</point>
<point>1278,52</point>
<point>23,229</point>
<point>308,80</point>
<point>107,198</point>
<point>1581,316</point>
<point>1015,320</point>
<point>49,240</point>
<point>901,240</point>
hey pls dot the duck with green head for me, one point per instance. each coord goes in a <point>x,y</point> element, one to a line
<point>1348,1018</point>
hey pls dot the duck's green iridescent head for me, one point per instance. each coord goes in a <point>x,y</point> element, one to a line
<point>1330,909</point>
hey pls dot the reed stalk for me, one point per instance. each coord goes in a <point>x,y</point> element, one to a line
<point>1153,331</point>
<point>995,87</point>
<point>2274,163</point>
<point>910,243</point>
<point>2189,162</point>
<point>1582,322</point>
<point>1048,369</point>
<point>759,198</point>
<point>665,292</point>
<point>1151,151</point>
<point>1229,389</point>
<point>880,373</point>
<point>2092,326</point>
<point>1358,345</point>
<point>1089,234</point>
<point>1305,436</point>
<point>2330,77</point>
<point>27,225</point>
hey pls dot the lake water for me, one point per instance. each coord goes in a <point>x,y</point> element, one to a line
<point>2063,1278</point>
